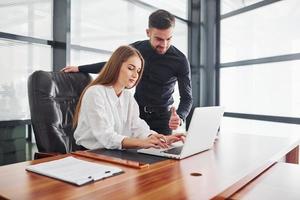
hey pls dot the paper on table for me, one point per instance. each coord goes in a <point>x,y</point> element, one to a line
<point>74,170</point>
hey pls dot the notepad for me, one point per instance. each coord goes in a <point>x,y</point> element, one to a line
<point>75,171</point>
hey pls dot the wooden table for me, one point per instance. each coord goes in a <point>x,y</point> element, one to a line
<point>232,163</point>
<point>281,181</point>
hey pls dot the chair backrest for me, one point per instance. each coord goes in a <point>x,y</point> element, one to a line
<point>52,100</point>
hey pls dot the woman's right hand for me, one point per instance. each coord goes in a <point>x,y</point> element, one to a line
<point>155,141</point>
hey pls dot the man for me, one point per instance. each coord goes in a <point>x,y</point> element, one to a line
<point>164,65</point>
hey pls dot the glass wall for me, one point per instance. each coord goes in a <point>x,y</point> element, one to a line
<point>97,28</point>
<point>257,127</point>
<point>27,17</point>
<point>259,53</point>
<point>19,58</point>
<point>265,89</point>
<point>18,61</point>
<point>28,38</point>
<point>233,5</point>
<point>177,7</point>
<point>119,22</point>
<point>259,33</point>
<point>105,25</point>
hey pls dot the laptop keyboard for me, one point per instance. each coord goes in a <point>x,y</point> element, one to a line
<point>175,150</point>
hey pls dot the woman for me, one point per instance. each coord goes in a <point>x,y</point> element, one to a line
<point>107,115</point>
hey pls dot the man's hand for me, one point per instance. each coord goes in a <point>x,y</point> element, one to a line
<point>69,69</point>
<point>174,121</point>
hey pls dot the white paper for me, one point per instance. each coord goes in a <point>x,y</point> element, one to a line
<point>74,170</point>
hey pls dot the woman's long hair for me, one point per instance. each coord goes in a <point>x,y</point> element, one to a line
<point>108,76</point>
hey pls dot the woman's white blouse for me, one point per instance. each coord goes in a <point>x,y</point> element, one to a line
<point>106,119</point>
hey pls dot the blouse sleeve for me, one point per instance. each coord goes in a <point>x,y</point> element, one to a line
<point>97,117</point>
<point>139,127</point>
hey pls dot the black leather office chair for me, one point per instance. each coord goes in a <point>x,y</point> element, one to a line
<point>52,99</point>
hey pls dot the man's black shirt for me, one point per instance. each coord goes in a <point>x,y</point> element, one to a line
<point>158,80</point>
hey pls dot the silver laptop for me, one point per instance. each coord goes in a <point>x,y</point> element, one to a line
<point>200,136</point>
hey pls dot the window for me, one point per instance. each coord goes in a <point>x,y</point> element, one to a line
<point>21,56</point>
<point>266,89</point>
<point>257,127</point>
<point>81,57</point>
<point>260,57</point>
<point>28,18</point>
<point>176,7</point>
<point>232,5</point>
<point>102,31</point>
<point>259,33</point>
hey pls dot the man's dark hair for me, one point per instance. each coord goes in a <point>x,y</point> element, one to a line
<point>161,19</point>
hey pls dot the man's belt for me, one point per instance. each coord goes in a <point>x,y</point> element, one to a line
<point>156,109</point>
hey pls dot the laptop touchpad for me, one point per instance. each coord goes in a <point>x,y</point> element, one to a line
<point>175,150</point>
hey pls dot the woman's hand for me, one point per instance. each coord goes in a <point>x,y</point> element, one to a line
<point>175,138</point>
<point>156,141</point>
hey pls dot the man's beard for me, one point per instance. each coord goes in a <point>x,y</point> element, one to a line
<point>160,50</point>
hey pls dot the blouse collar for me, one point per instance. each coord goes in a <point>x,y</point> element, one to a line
<point>113,97</point>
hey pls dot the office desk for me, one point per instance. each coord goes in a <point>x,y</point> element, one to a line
<point>232,163</point>
<point>281,181</point>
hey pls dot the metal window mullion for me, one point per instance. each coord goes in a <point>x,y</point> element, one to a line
<point>61,33</point>
<point>22,38</point>
<point>148,6</point>
<point>248,8</point>
<point>281,58</point>
<point>269,118</point>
